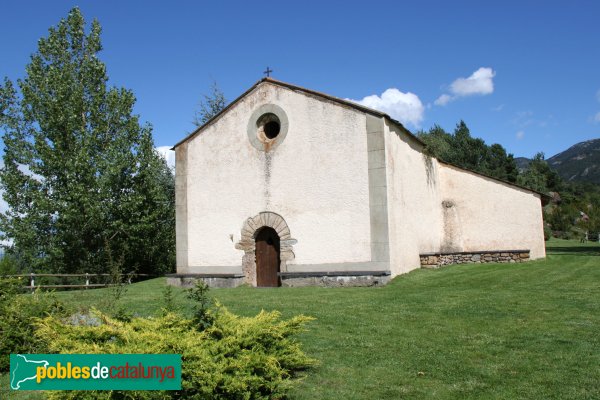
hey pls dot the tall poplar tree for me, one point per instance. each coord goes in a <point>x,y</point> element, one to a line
<point>84,185</point>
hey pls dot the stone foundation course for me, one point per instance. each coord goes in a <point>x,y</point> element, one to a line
<point>215,280</point>
<point>288,279</point>
<point>332,279</point>
<point>437,260</point>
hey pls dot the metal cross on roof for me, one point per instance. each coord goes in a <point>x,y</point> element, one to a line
<point>268,72</point>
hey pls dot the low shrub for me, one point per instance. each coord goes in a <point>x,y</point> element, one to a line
<point>18,314</point>
<point>233,358</point>
<point>202,304</point>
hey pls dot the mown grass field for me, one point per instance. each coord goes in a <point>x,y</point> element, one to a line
<point>479,331</point>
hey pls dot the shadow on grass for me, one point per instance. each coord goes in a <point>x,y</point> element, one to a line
<point>575,251</point>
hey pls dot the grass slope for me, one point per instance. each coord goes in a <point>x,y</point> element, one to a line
<point>493,331</point>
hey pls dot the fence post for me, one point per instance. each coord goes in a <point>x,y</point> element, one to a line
<point>87,280</point>
<point>32,280</point>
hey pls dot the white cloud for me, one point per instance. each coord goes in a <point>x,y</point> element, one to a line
<point>443,100</point>
<point>405,107</point>
<point>597,117</point>
<point>479,83</point>
<point>523,119</point>
<point>168,154</point>
<point>520,135</point>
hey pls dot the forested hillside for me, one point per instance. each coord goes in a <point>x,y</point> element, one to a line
<point>579,163</point>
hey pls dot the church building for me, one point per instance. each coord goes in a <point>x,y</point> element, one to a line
<point>291,187</point>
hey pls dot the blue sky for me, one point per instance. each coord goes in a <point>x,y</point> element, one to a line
<point>525,74</point>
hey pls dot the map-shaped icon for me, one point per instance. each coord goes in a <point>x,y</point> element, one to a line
<point>23,369</point>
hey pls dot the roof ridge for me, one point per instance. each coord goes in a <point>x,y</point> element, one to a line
<point>291,86</point>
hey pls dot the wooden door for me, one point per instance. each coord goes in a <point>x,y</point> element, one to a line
<point>267,258</point>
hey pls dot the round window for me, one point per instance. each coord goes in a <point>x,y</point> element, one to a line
<point>267,127</point>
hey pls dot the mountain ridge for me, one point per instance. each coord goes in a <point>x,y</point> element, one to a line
<point>578,163</point>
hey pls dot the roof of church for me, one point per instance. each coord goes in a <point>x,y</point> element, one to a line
<point>544,197</point>
<point>320,95</point>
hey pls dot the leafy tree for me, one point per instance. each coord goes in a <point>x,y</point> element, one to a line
<point>500,164</point>
<point>81,177</point>
<point>438,142</point>
<point>211,105</point>
<point>467,151</point>
<point>463,150</point>
<point>539,176</point>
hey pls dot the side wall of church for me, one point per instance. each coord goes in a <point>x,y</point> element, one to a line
<point>483,214</point>
<point>316,179</point>
<point>434,207</point>
<point>413,201</point>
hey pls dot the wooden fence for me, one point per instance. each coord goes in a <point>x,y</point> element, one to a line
<point>32,278</point>
<point>591,237</point>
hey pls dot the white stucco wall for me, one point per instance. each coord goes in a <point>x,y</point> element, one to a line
<point>413,201</point>
<point>316,179</point>
<point>490,215</point>
<point>435,207</point>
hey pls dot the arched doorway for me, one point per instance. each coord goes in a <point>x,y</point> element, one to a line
<point>267,257</point>
<point>247,243</point>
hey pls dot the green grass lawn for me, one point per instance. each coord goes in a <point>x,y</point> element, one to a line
<point>490,331</point>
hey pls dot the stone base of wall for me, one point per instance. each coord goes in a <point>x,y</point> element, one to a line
<point>437,260</point>
<point>288,279</point>
<point>213,280</point>
<point>337,279</point>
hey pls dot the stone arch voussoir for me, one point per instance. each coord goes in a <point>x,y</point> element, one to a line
<point>247,242</point>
